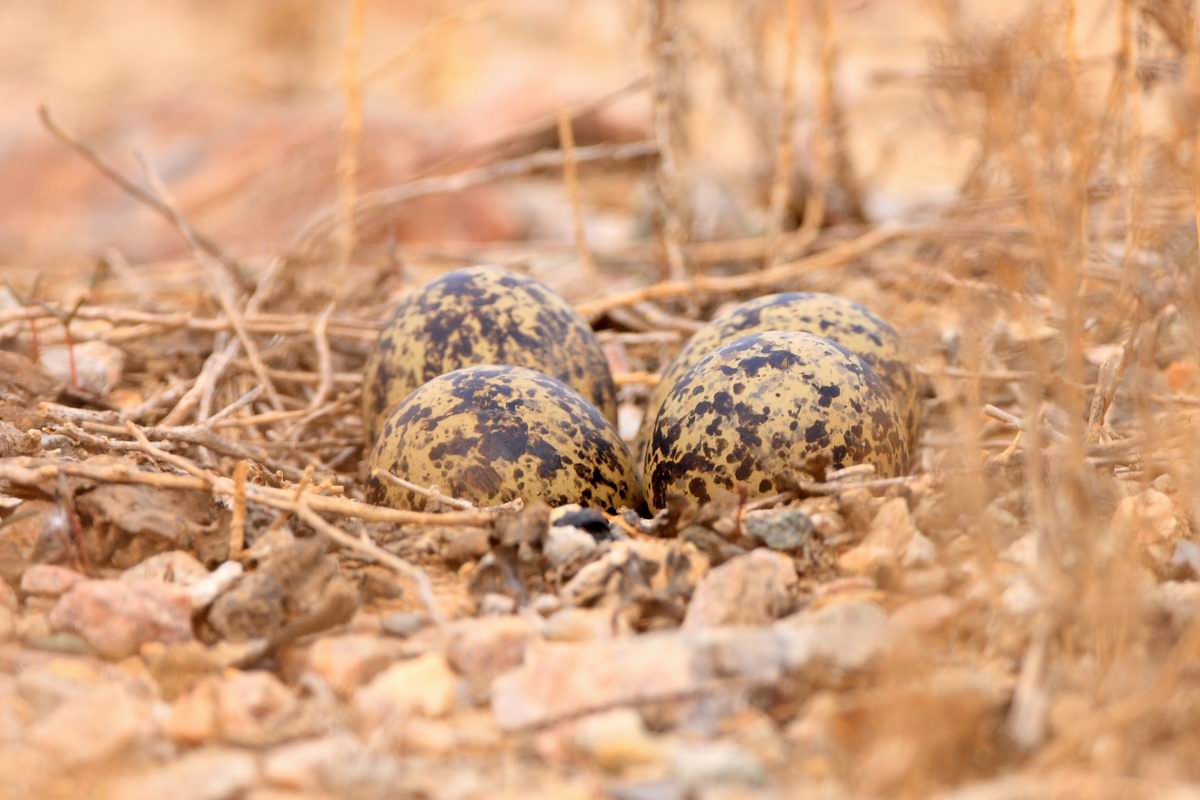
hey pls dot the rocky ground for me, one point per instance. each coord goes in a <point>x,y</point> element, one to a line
<point>196,601</point>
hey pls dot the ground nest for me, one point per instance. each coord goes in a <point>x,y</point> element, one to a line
<point>196,597</point>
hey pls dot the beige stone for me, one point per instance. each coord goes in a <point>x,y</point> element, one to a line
<point>424,685</point>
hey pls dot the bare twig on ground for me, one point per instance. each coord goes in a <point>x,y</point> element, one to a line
<point>237,524</point>
<point>425,491</point>
<point>37,472</point>
<point>364,546</point>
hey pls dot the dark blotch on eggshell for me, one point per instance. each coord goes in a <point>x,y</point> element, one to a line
<point>837,319</point>
<point>491,434</point>
<point>808,405</point>
<point>475,316</point>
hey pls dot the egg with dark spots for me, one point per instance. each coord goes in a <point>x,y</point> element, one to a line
<point>482,315</point>
<point>491,434</point>
<point>807,406</point>
<point>837,319</point>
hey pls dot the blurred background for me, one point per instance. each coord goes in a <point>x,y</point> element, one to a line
<point>240,106</point>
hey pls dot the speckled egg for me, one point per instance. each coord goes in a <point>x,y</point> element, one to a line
<point>750,417</point>
<point>843,321</point>
<point>491,434</point>
<point>482,315</point>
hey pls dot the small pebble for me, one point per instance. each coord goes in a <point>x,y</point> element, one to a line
<point>496,605</point>
<point>404,623</point>
<point>700,765</point>
<point>786,530</point>
<point>566,544</point>
<point>49,580</point>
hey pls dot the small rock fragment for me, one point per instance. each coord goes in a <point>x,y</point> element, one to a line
<point>8,598</point>
<point>419,735</point>
<point>581,624</point>
<point>38,535</point>
<point>92,727</point>
<point>699,765</point>
<point>252,707</point>
<point>845,635</point>
<point>15,712</point>
<point>1021,597</point>
<point>481,649</point>
<point>546,604</point>
<point>1149,520</point>
<point>753,589</point>
<point>423,685</point>
<point>561,679</point>
<point>566,544</point>
<point>1179,600</point>
<point>193,716</point>
<point>49,580</point>
<point>404,623</point>
<point>252,609</point>
<point>347,662</point>
<point>919,552</point>
<point>305,764</point>
<point>892,529</point>
<point>1185,561</point>
<point>174,566</point>
<point>208,774</point>
<point>589,520</point>
<point>204,591</point>
<point>925,615</point>
<point>97,366</point>
<point>494,604</point>
<point>787,530</point>
<point>1023,551</point>
<point>661,789</point>
<point>149,513</point>
<point>118,617</point>
<point>867,560</point>
<point>616,739</point>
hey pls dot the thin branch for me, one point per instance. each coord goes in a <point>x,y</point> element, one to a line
<point>706,285</point>
<point>38,472</point>
<point>106,169</point>
<point>374,552</point>
<point>223,284</point>
<point>373,205</point>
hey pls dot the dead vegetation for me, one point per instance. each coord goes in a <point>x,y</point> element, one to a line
<point>196,600</point>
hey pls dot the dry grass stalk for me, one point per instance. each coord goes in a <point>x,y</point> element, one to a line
<point>566,143</point>
<point>351,142</point>
<point>824,135</point>
<point>324,359</point>
<point>425,491</point>
<point>237,524</point>
<point>670,194</point>
<point>222,290</point>
<point>785,133</point>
